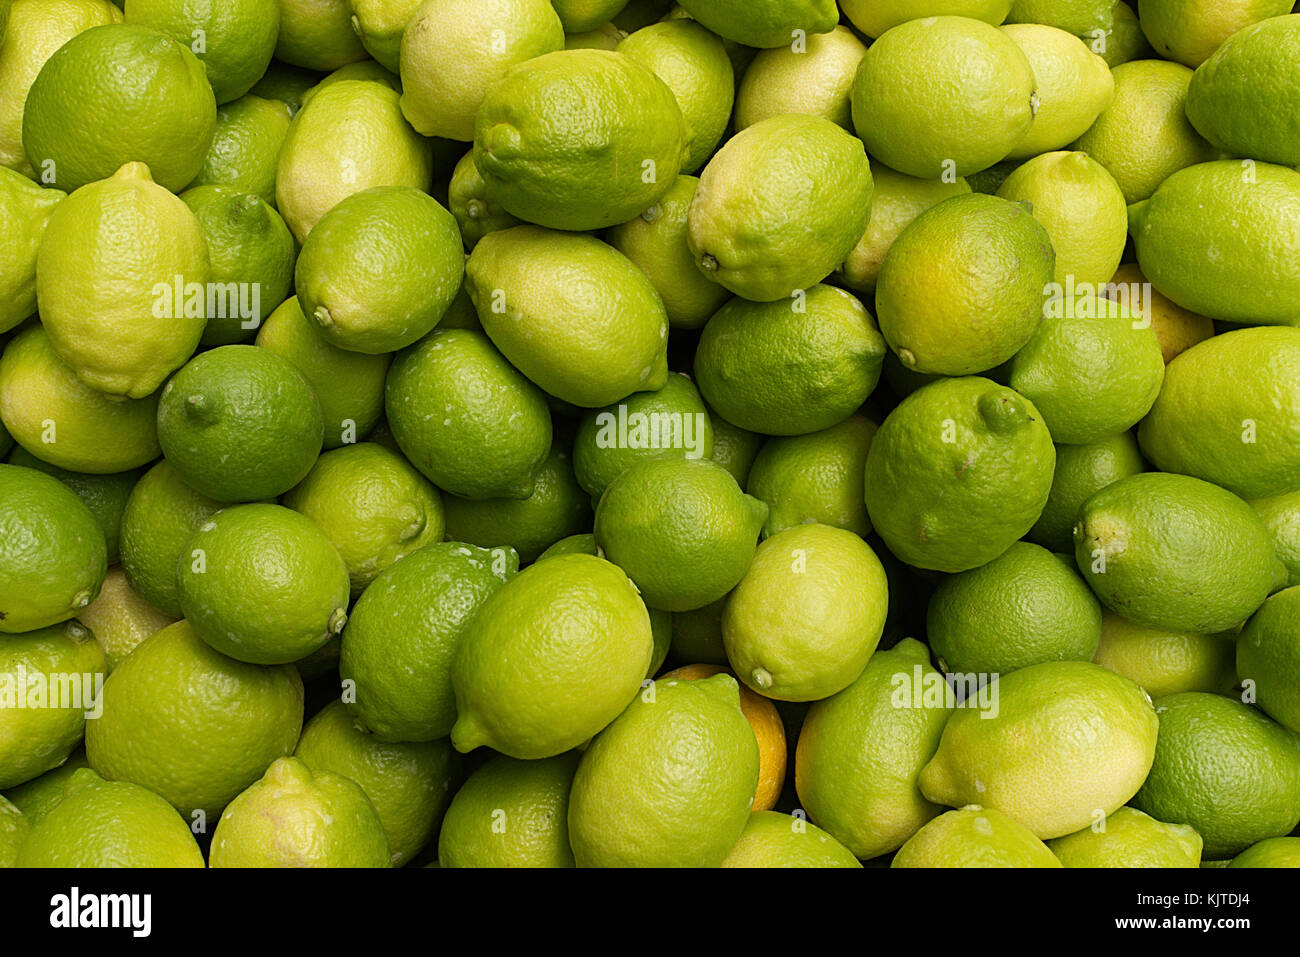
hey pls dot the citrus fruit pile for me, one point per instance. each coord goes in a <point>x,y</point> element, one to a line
<point>622,433</point>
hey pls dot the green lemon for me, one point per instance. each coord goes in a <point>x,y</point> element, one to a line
<point>1093,372</point>
<point>1166,662</point>
<point>606,37</point>
<point>251,252</point>
<point>764,23</point>
<point>120,277</point>
<point>958,471</point>
<point>103,823</point>
<point>1189,31</point>
<point>53,555</point>
<point>1144,136</point>
<point>943,96</point>
<point>36,29</point>
<point>287,84</point>
<point>38,796</point>
<point>671,422</point>
<point>408,784</point>
<point>1238,212</point>
<point>191,724</point>
<point>50,678</point>
<point>581,16</point>
<point>860,751</point>
<point>550,659</point>
<point>961,288</point>
<point>583,544</point>
<point>296,817</point>
<point>1226,770</point>
<point>380,25</point>
<point>694,64</point>
<point>579,139</point>
<point>772,839</point>
<point>1129,838</point>
<point>736,449</point>
<point>14,825</point>
<point>1229,413</point>
<point>1045,612</point>
<point>809,612</point>
<point>1125,40</point>
<point>317,34</point>
<point>1281,513</point>
<point>815,78</point>
<point>814,478</point>
<point>263,584</point>
<point>350,137</point>
<point>380,269</point>
<point>669,783</point>
<point>682,530</point>
<point>656,242</point>
<point>1081,207</point>
<point>240,424</point>
<point>477,213</point>
<point>574,315</point>
<point>790,367</point>
<point>467,419</point>
<point>1081,471</point>
<point>360,70</point>
<point>1238,98</point>
<point>1268,655</point>
<point>1176,553</point>
<point>1270,852</point>
<point>780,206</point>
<point>511,813</point>
<point>73,123</point>
<point>557,508</point>
<point>120,619</point>
<point>24,210</point>
<point>898,199</point>
<point>238,37</point>
<point>348,385</point>
<point>374,506</point>
<point>160,516</point>
<point>874,17</point>
<point>454,51</point>
<point>401,638</point>
<point>246,146</point>
<point>105,495</point>
<point>1025,757</point>
<point>1080,17</point>
<point>974,836</point>
<point>1074,86</point>
<point>61,420</point>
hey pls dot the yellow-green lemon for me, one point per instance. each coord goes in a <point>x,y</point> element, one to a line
<point>25,208</point>
<point>1021,753</point>
<point>120,618</point>
<point>1074,85</point>
<point>1174,552</point>
<point>780,206</point>
<point>192,725</point>
<point>807,615</point>
<point>1189,31</point>
<point>466,418</point>
<point>246,146</point>
<point>974,836</point>
<point>1129,838</point>
<point>1281,513</point>
<point>764,23</point>
<point>574,315</point>
<point>415,612</point>
<point>1082,470</point>
<point>943,96</point>
<point>957,472</point>
<point>579,139</point>
<point>121,282</point>
<point>1268,656</point>
<point>790,367</point>
<point>53,555</point>
<point>477,214</point>
<point>772,839</point>
<point>119,94</point>
<point>961,288</point>
<point>551,658</point>
<point>317,34</point>
<point>681,529</point>
<point>1167,662</point>
<point>669,783</point>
